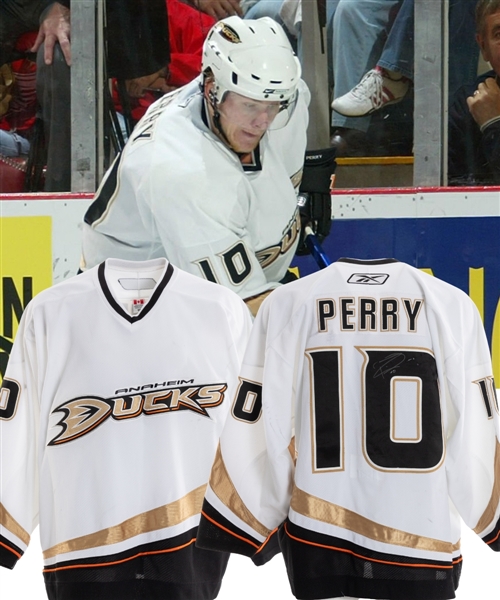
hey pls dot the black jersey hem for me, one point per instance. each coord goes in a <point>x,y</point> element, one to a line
<point>322,566</point>
<point>493,538</point>
<point>171,568</point>
<point>9,553</point>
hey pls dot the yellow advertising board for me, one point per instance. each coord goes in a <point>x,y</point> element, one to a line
<point>25,270</point>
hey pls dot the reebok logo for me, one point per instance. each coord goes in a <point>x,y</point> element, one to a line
<point>368,278</point>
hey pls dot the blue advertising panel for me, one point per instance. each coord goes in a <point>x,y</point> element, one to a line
<point>464,251</point>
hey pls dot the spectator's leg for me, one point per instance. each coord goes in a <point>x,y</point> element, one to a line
<point>358,37</point>
<point>13,144</point>
<point>270,8</point>
<point>54,96</point>
<point>398,54</point>
<point>265,8</point>
<point>464,51</point>
<point>331,7</point>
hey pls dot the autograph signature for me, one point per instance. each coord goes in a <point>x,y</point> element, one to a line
<point>393,361</point>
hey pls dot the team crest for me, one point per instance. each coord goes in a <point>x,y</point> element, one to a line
<point>229,34</point>
<point>84,414</point>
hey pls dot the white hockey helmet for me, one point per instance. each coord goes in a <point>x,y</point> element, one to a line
<point>252,58</point>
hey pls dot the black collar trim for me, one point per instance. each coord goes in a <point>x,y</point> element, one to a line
<point>256,164</point>
<point>151,302</point>
<point>368,262</point>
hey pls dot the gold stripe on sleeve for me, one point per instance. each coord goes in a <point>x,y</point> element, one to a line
<point>224,489</point>
<point>8,521</point>
<point>489,514</point>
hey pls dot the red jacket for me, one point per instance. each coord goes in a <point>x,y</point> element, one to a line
<point>21,113</point>
<point>188,29</point>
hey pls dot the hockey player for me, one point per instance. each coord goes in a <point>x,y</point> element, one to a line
<point>365,425</point>
<point>209,176</point>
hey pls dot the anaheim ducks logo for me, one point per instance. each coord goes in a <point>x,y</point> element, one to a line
<point>267,256</point>
<point>229,34</point>
<point>82,415</point>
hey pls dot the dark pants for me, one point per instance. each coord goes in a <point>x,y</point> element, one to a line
<point>54,96</point>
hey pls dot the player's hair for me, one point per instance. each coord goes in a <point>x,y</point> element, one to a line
<point>485,8</point>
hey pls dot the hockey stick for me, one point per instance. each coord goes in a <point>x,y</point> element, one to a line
<point>315,248</point>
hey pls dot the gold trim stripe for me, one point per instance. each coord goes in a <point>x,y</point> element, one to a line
<point>224,489</point>
<point>489,514</point>
<point>152,520</point>
<point>321,510</point>
<point>8,521</point>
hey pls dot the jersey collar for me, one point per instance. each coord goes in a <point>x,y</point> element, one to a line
<point>101,274</point>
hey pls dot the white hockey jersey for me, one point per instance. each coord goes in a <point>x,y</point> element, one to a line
<point>110,414</point>
<point>177,191</point>
<point>365,424</point>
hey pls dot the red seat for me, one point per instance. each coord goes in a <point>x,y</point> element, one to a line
<point>12,174</point>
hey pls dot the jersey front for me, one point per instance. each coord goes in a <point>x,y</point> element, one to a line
<point>178,191</point>
<point>112,406</point>
<point>365,426</point>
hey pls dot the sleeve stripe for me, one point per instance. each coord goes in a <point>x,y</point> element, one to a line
<point>267,540</point>
<point>10,549</point>
<point>489,514</point>
<point>492,541</point>
<point>231,532</point>
<point>8,521</point>
<point>224,489</point>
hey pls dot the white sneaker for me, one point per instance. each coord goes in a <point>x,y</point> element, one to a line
<point>375,90</point>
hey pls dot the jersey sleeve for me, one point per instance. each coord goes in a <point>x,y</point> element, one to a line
<point>249,491</point>
<point>18,449</point>
<point>473,446</point>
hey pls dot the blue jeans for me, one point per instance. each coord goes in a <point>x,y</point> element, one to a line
<point>359,32</point>
<point>398,53</point>
<point>13,144</point>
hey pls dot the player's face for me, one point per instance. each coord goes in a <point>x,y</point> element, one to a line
<point>244,121</point>
<point>489,41</point>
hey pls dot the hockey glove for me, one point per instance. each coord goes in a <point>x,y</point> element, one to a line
<point>315,204</point>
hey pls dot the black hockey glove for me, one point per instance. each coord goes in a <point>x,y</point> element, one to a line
<point>315,203</point>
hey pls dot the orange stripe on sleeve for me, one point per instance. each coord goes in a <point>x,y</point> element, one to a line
<point>494,539</point>
<point>229,531</point>
<point>11,549</point>
<point>267,539</point>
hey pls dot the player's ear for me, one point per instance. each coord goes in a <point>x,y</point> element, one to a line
<point>481,42</point>
<point>208,87</point>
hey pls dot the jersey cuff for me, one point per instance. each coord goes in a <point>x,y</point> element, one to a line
<point>493,538</point>
<point>215,532</point>
<point>9,553</point>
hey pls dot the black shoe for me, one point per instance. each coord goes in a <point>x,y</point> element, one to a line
<point>350,142</point>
